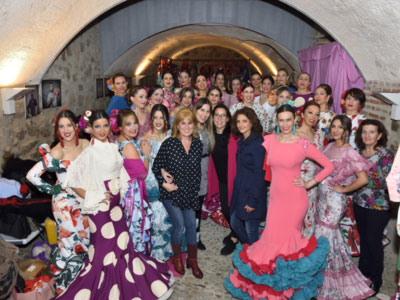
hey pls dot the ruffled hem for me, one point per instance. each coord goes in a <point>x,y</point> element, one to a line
<point>269,268</point>
<point>295,278</point>
<point>346,284</point>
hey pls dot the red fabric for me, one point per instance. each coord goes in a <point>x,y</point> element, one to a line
<point>232,149</point>
<point>24,190</point>
<point>270,267</point>
<point>213,186</point>
<point>267,168</point>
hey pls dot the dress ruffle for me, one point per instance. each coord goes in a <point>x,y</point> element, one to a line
<point>293,277</point>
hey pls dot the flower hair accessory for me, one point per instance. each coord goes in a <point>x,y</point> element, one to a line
<point>110,84</point>
<point>290,102</point>
<point>113,120</point>
<point>84,121</point>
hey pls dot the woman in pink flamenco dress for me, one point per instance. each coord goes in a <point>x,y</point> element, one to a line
<point>283,263</point>
<point>342,279</point>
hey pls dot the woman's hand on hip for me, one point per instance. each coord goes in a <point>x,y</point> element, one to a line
<point>248,209</point>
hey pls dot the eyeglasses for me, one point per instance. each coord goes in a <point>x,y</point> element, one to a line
<point>219,116</point>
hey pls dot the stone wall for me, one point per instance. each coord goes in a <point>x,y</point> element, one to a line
<point>377,109</point>
<point>77,66</point>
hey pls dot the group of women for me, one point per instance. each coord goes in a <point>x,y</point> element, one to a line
<point>131,198</point>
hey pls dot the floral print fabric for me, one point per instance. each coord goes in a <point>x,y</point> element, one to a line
<point>72,228</point>
<point>374,195</point>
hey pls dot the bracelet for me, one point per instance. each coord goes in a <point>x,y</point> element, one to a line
<point>146,156</point>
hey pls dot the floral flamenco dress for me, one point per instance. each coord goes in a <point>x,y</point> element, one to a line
<point>161,226</point>
<point>67,259</point>
<point>308,171</point>
<point>343,280</point>
<point>137,210</point>
<point>113,268</point>
<point>283,263</point>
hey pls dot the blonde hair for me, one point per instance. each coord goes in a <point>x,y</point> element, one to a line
<point>209,123</point>
<point>184,113</point>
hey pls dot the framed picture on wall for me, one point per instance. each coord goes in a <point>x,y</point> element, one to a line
<point>51,93</point>
<point>32,102</point>
<point>99,88</point>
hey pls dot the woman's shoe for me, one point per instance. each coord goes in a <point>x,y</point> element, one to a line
<point>177,259</point>
<point>200,245</point>
<point>229,248</point>
<point>191,261</point>
<point>375,286</point>
<point>226,239</point>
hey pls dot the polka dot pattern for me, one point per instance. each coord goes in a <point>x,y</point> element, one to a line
<point>101,280</point>
<point>114,293</point>
<point>87,269</point>
<point>108,231</point>
<point>138,266</point>
<point>110,259</point>
<point>116,214</point>
<point>123,240</point>
<point>128,276</point>
<point>158,288</point>
<point>91,253</point>
<point>151,263</point>
<point>82,295</point>
<point>186,170</point>
<point>92,226</point>
<point>104,206</point>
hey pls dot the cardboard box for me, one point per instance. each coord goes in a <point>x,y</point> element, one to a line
<point>31,268</point>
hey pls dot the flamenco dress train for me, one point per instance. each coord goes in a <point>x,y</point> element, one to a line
<point>343,280</point>
<point>283,263</point>
<point>113,269</point>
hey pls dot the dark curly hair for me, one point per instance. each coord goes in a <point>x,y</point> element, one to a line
<point>356,94</point>
<point>381,129</point>
<point>249,114</point>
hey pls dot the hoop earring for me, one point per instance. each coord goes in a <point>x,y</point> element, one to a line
<point>277,129</point>
<point>76,136</point>
<point>60,139</point>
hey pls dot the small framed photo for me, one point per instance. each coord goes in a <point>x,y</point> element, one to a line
<point>32,102</point>
<point>99,88</point>
<point>51,93</point>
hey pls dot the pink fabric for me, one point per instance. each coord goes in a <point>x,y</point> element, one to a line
<point>330,64</point>
<point>393,179</point>
<point>213,186</point>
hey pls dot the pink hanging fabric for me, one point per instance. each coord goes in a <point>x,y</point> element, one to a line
<point>330,64</point>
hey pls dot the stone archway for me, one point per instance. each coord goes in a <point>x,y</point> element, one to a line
<point>35,33</point>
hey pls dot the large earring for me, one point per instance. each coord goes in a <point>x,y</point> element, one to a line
<point>277,128</point>
<point>76,136</point>
<point>60,139</point>
<point>294,128</point>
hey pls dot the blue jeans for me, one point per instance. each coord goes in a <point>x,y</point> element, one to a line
<point>247,230</point>
<point>181,219</point>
